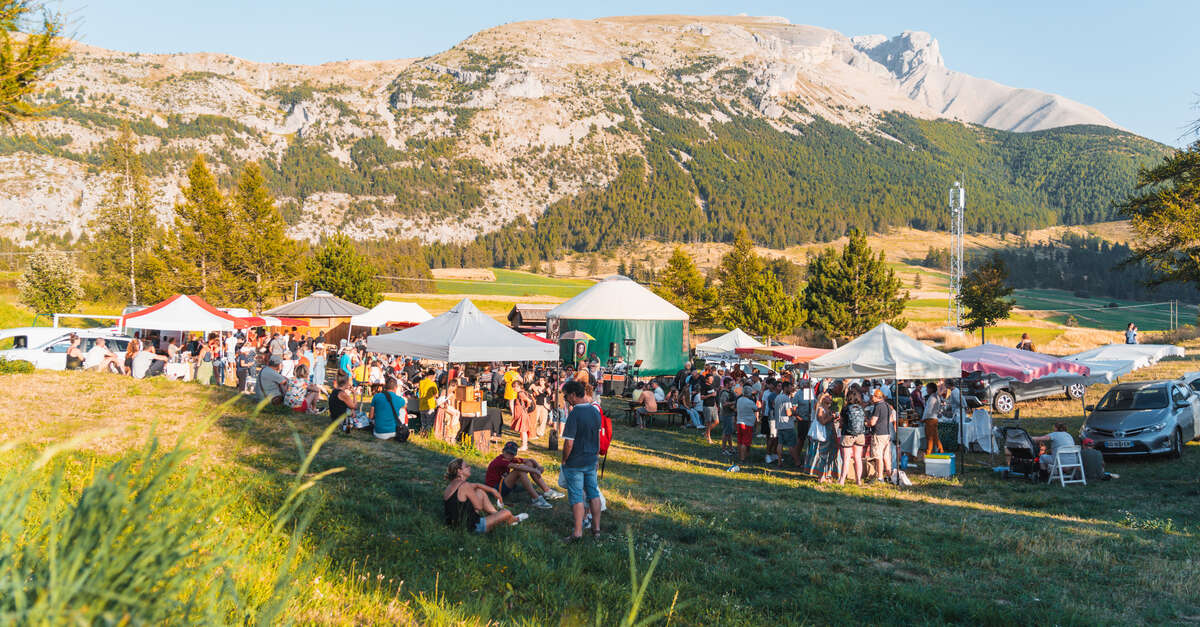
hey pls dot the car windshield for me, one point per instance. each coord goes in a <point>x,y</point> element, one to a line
<point>1125,400</point>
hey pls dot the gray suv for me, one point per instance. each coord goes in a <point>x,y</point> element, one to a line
<point>1143,418</point>
<point>1002,393</point>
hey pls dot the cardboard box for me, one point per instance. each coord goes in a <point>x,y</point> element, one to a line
<point>939,465</point>
<point>470,408</point>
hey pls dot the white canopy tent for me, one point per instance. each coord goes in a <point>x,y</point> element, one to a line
<point>391,311</point>
<point>462,335</point>
<point>885,353</point>
<point>725,345</point>
<point>181,313</point>
<point>1114,360</point>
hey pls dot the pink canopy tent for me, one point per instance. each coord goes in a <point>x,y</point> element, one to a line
<point>790,353</point>
<point>1024,366</point>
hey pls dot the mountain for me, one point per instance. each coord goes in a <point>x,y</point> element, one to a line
<point>571,133</point>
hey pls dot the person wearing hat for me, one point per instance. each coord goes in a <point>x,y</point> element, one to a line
<point>508,470</point>
<point>271,383</point>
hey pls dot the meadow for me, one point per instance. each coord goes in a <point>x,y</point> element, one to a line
<point>750,548</point>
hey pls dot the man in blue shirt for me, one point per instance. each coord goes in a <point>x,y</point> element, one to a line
<point>580,454</point>
<point>386,409</point>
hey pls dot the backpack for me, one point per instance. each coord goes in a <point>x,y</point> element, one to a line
<point>606,431</point>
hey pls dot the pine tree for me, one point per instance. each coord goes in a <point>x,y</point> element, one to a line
<point>26,55</point>
<point>622,269</point>
<point>262,258</point>
<point>851,291</point>
<point>916,280</point>
<point>124,226</point>
<point>1164,213</point>
<point>767,309</point>
<point>984,295</point>
<point>681,284</point>
<point>736,273</point>
<point>338,268</point>
<point>593,265</point>
<point>50,283</point>
<point>205,232</point>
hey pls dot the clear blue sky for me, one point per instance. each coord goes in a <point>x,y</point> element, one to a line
<point>1137,62</point>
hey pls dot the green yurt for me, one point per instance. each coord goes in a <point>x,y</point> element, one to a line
<point>626,320</point>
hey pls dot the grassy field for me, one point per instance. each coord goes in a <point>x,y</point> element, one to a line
<point>763,546</point>
<point>515,283</point>
<point>1095,313</point>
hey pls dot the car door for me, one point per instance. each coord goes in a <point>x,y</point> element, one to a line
<point>1183,407</point>
<point>1194,401</point>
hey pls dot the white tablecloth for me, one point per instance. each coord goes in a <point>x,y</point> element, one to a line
<point>910,439</point>
<point>179,371</point>
<point>977,428</point>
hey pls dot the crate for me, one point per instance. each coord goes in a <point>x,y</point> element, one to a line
<point>939,465</point>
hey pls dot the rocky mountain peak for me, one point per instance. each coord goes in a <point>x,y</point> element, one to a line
<point>902,54</point>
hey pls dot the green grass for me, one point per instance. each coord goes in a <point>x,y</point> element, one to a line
<point>759,547</point>
<point>516,283</point>
<point>1093,313</point>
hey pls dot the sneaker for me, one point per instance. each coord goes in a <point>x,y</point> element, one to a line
<point>769,459</point>
<point>553,494</point>
<point>733,468</point>
<point>520,517</point>
<point>726,452</point>
<point>541,503</point>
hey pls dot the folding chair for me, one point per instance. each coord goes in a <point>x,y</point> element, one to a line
<point>1067,458</point>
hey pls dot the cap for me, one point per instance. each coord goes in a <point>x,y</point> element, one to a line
<point>275,360</point>
<point>510,448</point>
<point>1088,442</point>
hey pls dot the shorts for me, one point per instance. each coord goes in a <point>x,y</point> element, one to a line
<point>385,436</point>
<point>728,423</point>
<point>787,438</point>
<point>580,483</point>
<point>880,445</point>
<point>710,414</point>
<point>481,526</point>
<point>853,440</point>
<point>505,489</point>
<point>745,434</point>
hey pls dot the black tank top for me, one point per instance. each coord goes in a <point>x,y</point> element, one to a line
<point>460,512</point>
<point>337,407</point>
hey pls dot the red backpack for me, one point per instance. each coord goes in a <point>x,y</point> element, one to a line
<point>606,430</point>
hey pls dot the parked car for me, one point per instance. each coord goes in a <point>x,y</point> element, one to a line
<point>46,347</point>
<point>1143,418</point>
<point>751,367</point>
<point>1002,393</point>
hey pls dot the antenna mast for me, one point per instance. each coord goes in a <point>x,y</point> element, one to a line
<point>958,200</point>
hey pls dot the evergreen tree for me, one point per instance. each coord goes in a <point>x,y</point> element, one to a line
<point>851,291</point>
<point>50,283</point>
<point>681,283</point>
<point>124,225</point>
<point>339,269</point>
<point>984,294</point>
<point>26,55</point>
<point>736,273</point>
<point>767,308</point>
<point>916,280</point>
<point>1164,212</point>
<point>622,269</point>
<point>593,265</point>
<point>263,258</point>
<point>790,275</point>
<point>205,232</point>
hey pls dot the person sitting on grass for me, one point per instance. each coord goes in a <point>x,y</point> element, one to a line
<point>102,359</point>
<point>271,384</point>
<point>146,362</point>
<point>1093,462</point>
<point>507,471</point>
<point>301,395</point>
<point>386,410</point>
<point>466,504</point>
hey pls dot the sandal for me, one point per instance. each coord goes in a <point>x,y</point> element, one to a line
<point>572,539</point>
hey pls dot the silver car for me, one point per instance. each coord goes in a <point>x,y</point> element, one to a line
<point>1143,418</point>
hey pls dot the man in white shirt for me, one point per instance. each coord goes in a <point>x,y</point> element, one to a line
<point>142,360</point>
<point>659,395</point>
<point>101,358</point>
<point>271,383</point>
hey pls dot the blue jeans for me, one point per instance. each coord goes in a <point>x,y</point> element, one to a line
<point>580,482</point>
<point>695,417</point>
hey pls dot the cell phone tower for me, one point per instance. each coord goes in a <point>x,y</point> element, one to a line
<point>958,202</point>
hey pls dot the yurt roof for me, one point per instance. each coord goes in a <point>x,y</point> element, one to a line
<point>617,298</point>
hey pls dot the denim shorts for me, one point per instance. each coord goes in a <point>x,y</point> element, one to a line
<point>728,425</point>
<point>580,483</point>
<point>787,438</point>
<point>481,526</point>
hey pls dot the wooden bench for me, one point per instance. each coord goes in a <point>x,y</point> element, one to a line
<point>668,416</point>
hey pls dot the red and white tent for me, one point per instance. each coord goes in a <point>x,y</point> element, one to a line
<point>1024,366</point>
<point>792,354</point>
<point>183,312</point>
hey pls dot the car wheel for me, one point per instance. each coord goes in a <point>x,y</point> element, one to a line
<point>1076,390</point>
<point>1176,444</point>
<point>1003,402</point>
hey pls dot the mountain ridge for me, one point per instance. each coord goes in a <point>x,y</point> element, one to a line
<point>489,133</point>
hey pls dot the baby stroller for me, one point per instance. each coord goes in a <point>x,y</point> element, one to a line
<point>1022,454</point>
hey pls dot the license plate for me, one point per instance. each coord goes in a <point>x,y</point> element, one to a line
<point>1118,444</point>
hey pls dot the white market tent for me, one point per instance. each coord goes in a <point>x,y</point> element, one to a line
<point>462,335</point>
<point>885,353</point>
<point>727,344</point>
<point>181,312</point>
<point>1114,360</point>
<point>391,311</point>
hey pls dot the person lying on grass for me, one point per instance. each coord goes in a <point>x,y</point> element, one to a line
<point>507,471</point>
<point>467,505</point>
